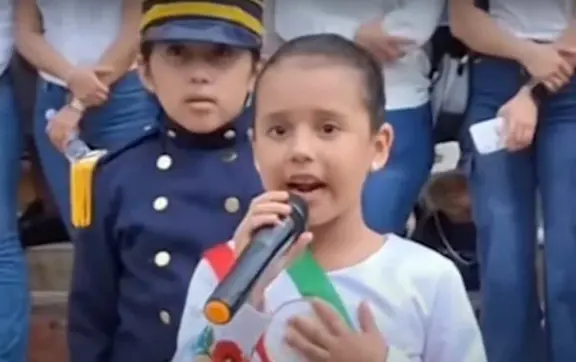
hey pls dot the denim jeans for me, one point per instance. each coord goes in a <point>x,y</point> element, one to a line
<point>389,194</point>
<point>121,119</point>
<point>504,188</point>
<point>14,298</point>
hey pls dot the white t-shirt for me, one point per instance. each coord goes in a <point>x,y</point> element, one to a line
<point>406,80</point>
<point>416,295</point>
<point>533,19</point>
<point>6,33</point>
<point>79,30</point>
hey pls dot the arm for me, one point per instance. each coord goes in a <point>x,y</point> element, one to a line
<point>31,44</point>
<point>568,37</point>
<point>121,54</point>
<point>93,315</point>
<point>416,20</point>
<point>568,41</point>
<point>475,28</point>
<point>452,334</point>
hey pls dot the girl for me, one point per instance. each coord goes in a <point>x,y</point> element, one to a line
<point>84,54</point>
<point>519,42</point>
<point>380,297</point>
<point>179,189</point>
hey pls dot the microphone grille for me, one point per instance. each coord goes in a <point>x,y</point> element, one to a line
<point>299,208</point>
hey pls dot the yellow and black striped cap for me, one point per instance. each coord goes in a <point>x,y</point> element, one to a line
<point>233,22</point>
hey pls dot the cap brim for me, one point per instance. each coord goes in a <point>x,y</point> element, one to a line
<point>203,31</point>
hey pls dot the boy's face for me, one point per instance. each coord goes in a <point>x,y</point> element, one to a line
<point>313,138</point>
<point>200,86</point>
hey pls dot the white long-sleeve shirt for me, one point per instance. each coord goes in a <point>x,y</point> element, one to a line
<point>80,31</point>
<point>406,80</point>
<point>534,19</point>
<point>6,33</point>
<point>416,295</point>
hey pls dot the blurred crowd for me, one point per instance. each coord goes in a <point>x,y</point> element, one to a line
<point>447,67</point>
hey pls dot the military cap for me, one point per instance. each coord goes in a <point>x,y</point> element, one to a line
<point>236,23</point>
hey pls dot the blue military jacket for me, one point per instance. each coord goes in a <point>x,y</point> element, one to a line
<point>159,203</point>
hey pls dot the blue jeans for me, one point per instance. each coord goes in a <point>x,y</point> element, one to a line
<point>504,187</point>
<point>121,119</point>
<point>14,299</point>
<point>390,194</point>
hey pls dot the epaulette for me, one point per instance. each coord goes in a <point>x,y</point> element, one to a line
<point>82,175</point>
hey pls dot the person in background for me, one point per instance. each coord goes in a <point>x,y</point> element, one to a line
<point>180,188</point>
<point>395,34</point>
<point>85,56</point>
<point>14,299</point>
<point>39,221</point>
<point>521,44</point>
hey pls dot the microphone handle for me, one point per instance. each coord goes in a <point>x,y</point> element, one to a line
<point>266,247</point>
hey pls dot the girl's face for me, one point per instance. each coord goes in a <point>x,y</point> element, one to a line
<point>200,86</point>
<point>312,135</point>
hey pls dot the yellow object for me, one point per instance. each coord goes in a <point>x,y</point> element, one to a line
<point>81,189</point>
<point>231,13</point>
<point>217,312</point>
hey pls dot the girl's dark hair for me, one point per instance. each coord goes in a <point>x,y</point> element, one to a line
<point>335,48</point>
<point>146,50</point>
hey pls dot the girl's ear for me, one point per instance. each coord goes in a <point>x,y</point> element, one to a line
<point>382,144</point>
<point>252,82</point>
<point>145,75</point>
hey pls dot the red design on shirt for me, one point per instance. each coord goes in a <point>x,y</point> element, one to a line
<point>227,351</point>
<point>221,259</point>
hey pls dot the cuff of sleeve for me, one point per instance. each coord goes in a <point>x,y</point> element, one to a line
<point>253,315</point>
<point>396,355</point>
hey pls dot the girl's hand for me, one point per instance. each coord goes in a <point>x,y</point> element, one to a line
<point>265,210</point>
<point>62,126</point>
<point>327,338</point>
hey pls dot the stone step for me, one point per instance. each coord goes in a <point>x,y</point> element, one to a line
<point>50,267</point>
<point>48,327</point>
<point>49,302</point>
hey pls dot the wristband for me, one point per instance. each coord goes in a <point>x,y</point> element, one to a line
<point>77,105</point>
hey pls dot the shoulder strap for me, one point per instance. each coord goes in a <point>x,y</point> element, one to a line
<point>221,259</point>
<point>82,174</point>
<point>311,281</point>
<point>307,275</point>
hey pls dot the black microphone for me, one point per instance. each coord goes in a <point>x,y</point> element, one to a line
<point>266,247</point>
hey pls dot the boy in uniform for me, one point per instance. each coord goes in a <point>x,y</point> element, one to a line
<point>147,212</point>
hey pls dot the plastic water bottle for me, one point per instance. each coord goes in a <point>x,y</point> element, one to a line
<point>76,149</point>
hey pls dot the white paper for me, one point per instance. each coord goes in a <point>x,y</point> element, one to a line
<point>488,135</point>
